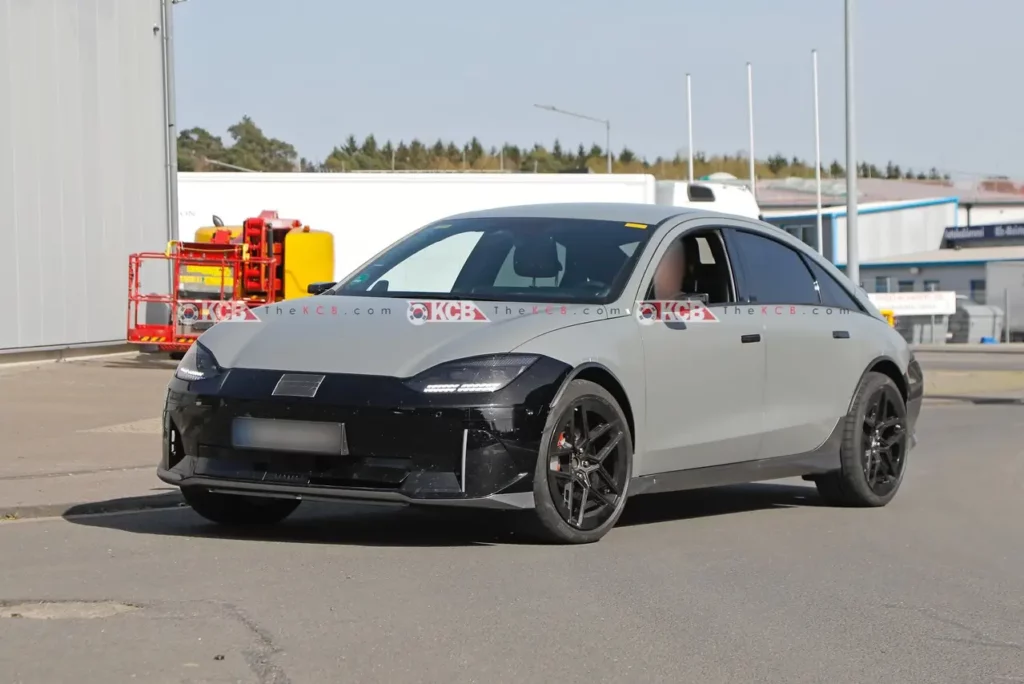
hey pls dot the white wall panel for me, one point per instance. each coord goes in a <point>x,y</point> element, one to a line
<point>82,164</point>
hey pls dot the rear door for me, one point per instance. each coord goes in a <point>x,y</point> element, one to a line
<point>777,287</point>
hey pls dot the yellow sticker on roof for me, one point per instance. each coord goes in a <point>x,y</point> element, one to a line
<point>641,226</point>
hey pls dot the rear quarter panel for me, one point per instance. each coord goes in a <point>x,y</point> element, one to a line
<point>873,339</point>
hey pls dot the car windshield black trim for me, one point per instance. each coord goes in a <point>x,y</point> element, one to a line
<point>559,261</point>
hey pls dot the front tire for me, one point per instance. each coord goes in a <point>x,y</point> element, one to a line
<point>874,450</point>
<point>584,466</point>
<point>238,510</point>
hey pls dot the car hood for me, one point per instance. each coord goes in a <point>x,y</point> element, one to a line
<point>377,336</point>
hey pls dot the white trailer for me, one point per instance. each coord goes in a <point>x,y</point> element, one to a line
<point>367,212</point>
<point>724,197</point>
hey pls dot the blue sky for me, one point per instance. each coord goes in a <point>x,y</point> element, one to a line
<point>937,80</point>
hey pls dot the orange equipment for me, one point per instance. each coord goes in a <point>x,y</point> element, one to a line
<point>266,259</point>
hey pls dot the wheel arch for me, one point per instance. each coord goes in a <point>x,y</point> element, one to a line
<point>600,375</point>
<point>886,366</point>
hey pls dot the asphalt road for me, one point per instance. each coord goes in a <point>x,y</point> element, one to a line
<point>751,584</point>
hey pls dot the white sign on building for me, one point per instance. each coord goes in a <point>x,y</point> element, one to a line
<point>915,303</point>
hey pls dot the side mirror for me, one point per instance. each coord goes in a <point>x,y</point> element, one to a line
<point>319,288</point>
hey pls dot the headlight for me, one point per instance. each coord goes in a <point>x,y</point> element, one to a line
<point>197,364</point>
<point>481,374</point>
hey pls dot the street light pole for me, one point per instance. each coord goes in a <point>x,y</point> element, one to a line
<point>817,154</point>
<point>607,127</point>
<point>852,247</point>
<point>608,143</point>
<point>750,114</point>
<point>689,128</point>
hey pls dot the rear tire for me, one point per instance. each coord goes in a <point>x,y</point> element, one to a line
<point>238,510</point>
<point>596,457</point>
<point>875,446</point>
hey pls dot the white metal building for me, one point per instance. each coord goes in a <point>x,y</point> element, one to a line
<point>886,229</point>
<point>981,213</point>
<point>84,164</point>
<point>961,270</point>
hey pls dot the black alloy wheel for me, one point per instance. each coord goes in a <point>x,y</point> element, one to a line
<point>885,440</point>
<point>875,447</point>
<point>585,466</point>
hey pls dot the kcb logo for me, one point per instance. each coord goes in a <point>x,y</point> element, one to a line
<point>445,312</point>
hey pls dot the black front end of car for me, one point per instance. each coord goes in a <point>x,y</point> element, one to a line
<point>399,444</point>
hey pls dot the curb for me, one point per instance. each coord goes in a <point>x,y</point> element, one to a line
<point>46,355</point>
<point>74,510</point>
<point>974,399</point>
<point>1004,348</point>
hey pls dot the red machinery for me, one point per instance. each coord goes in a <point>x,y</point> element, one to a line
<point>230,265</point>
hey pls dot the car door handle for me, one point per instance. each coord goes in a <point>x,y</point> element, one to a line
<point>841,334</point>
<point>747,339</point>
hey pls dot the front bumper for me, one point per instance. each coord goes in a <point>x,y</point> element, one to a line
<point>405,448</point>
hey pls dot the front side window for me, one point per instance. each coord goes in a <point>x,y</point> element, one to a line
<point>772,272</point>
<point>506,259</point>
<point>693,266</point>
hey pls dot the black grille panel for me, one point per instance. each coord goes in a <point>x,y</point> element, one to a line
<point>302,469</point>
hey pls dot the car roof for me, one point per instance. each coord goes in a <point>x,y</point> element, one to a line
<point>598,211</point>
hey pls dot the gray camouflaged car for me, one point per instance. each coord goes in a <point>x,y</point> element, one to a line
<point>551,358</point>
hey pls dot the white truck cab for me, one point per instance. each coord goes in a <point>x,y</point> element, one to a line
<point>726,198</point>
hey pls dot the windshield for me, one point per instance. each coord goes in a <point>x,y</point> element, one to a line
<point>506,259</point>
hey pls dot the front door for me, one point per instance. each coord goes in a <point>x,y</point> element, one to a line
<point>705,379</point>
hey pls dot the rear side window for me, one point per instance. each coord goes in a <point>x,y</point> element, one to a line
<point>832,293</point>
<point>772,272</point>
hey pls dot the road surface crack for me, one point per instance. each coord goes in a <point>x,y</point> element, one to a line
<point>976,638</point>
<point>259,658</point>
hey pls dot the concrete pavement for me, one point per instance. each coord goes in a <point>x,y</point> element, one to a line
<point>81,432</point>
<point>973,360</point>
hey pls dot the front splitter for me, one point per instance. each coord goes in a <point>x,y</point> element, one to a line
<point>509,502</point>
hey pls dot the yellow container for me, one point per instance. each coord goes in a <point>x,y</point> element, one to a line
<point>308,258</point>
<point>205,234</point>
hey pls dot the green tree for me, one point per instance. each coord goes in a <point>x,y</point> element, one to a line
<point>196,147</point>
<point>776,163</point>
<point>251,149</point>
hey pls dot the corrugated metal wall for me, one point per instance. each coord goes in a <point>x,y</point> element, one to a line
<point>899,231</point>
<point>82,164</point>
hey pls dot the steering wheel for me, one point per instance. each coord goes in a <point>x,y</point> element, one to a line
<point>594,284</point>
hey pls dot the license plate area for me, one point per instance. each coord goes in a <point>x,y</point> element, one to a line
<point>299,436</point>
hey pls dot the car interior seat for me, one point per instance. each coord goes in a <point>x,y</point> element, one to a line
<point>536,256</point>
<point>589,264</point>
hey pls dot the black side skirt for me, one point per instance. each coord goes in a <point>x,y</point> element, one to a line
<point>822,460</point>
